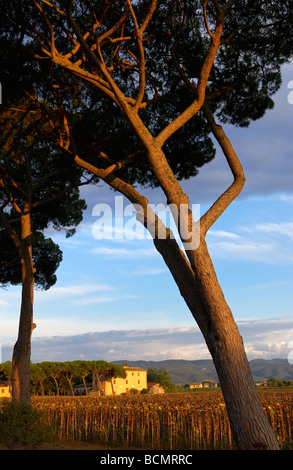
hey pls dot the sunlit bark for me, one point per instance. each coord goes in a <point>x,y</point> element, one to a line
<point>22,348</point>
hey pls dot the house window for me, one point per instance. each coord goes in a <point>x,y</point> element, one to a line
<point>138,381</point>
<point>138,373</point>
<point>132,374</point>
<point>2,391</point>
<point>114,382</point>
<point>127,381</point>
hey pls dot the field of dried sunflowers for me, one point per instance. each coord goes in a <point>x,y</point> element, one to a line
<point>191,420</point>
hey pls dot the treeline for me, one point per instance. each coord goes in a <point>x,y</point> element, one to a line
<point>59,378</point>
<point>279,383</point>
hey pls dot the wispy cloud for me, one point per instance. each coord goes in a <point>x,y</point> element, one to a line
<point>224,234</point>
<point>242,250</point>
<point>284,229</point>
<point>267,242</point>
<point>72,291</point>
<point>143,272</point>
<point>100,300</point>
<point>125,252</point>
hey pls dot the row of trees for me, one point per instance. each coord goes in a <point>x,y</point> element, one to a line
<point>129,92</point>
<point>60,377</point>
<point>272,382</point>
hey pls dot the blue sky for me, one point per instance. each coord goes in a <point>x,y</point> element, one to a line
<point>115,299</point>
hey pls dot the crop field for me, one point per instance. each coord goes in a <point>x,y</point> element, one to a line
<point>191,420</point>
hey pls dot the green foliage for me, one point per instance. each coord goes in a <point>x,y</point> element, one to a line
<point>47,258</point>
<point>257,40</point>
<point>160,376</point>
<point>272,382</point>
<point>22,426</point>
<point>49,377</point>
<point>34,173</point>
<point>6,370</point>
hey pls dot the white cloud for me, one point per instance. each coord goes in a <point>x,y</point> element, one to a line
<point>71,291</point>
<point>287,198</point>
<point>243,250</point>
<point>124,252</point>
<point>267,242</point>
<point>224,234</point>
<point>276,229</point>
<point>99,300</point>
<point>144,272</point>
<point>10,303</point>
<point>94,300</point>
<point>263,338</point>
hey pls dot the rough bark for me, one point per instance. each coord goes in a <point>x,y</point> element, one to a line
<point>206,301</point>
<point>203,295</point>
<point>22,348</point>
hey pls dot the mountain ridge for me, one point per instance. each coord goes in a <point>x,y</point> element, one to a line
<point>183,371</point>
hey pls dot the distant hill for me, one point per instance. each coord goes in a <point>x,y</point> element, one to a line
<point>182,372</point>
<point>278,368</point>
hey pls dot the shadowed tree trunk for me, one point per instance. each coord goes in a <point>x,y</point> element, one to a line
<point>22,348</point>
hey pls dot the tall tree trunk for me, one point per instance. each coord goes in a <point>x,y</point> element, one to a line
<point>71,386</point>
<point>57,385</point>
<point>201,291</point>
<point>22,349</point>
<point>84,384</point>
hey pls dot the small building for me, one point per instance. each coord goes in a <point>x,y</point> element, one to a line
<point>155,388</point>
<point>261,384</point>
<point>209,384</point>
<point>80,389</point>
<point>136,378</point>
<point>4,390</point>
<point>195,385</point>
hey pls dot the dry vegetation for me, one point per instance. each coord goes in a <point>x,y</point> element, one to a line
<point>192,420</point>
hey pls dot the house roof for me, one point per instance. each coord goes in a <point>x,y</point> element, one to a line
<point>133,368</point>
<point>3,384</point>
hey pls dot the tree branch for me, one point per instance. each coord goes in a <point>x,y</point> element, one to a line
<point>204,6</point>
<point>13,235</point>
<point>10,197</point>
<point>209,218</point>
<point>141,61</point>
<point>189,112</point>
<point>108,85</point>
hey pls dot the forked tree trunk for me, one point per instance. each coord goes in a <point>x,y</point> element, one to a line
<point>22,348</point>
